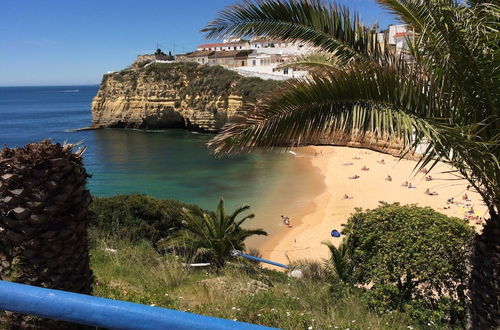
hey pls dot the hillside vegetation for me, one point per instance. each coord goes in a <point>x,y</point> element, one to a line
<point>336,293</point>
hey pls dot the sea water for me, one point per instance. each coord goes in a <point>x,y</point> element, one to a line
<point>161,163</point>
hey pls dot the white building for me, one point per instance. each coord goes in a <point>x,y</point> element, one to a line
<point>264,59</point>
<point>398,36</point>
<point>222,46</point>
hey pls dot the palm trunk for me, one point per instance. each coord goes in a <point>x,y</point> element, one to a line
<point>43,224</point>
<point>485,278</point>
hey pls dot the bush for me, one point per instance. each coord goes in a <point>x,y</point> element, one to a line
<point>415,258</point>
<point>136,217</point>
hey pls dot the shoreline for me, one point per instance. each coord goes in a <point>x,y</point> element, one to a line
<point>328,209</point>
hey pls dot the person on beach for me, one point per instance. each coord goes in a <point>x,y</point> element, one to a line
<point>410,186</point>
<point>286,220</point>
<point>450,200</point>
<point>465,197</point>
<point>348,164</point>
<point>428,178</point>
<point>388,178</point>
<point>364,168</point>
<point>381,161</point>
<point>405,184</point>
<point>424,170</point>
<point>357,158</point>
<point>430,193</point>
<point>347,197</point>
<point>354,177</point>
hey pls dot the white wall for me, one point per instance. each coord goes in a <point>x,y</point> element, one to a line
<point>393,29</point>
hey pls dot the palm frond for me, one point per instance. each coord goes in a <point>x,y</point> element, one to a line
<point>374,103</point>
<point>331,28</point>
<point>313,62</point>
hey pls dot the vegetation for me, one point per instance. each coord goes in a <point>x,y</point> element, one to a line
<point>445,91</point>
<point>209,82</point>
<point>397,260</point>
<point>43,223</point>
<point>210,237</point>
<point>414,258</point>
<point>339,264</point>
<point>137,217</point>
<point>239,291</point>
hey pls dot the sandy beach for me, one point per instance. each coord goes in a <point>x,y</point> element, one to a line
<point>328,208</point>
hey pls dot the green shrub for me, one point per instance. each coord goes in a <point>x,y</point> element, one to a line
<point>136,217</point>
<point>415,258</point>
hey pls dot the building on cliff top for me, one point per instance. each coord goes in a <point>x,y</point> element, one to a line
<point>258,57</point>
<point>158,55</point>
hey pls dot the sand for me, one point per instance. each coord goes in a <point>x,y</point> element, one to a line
<point>327,209</point>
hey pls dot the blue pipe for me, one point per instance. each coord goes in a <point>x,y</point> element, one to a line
<point>262,260</point>
<point>101,312</point>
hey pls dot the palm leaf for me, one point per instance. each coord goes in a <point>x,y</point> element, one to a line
<point>331,28</point>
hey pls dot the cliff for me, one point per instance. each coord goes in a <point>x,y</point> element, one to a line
<point>173,95</point>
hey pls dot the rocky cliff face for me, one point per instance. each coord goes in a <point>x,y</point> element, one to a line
<point>176,95</point>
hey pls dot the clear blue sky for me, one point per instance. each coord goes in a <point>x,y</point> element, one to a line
<point>73,42</point>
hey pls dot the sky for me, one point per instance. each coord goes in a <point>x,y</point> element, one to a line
<point>74,42</point>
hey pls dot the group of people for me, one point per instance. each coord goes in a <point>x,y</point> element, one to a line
<point>408,185</point>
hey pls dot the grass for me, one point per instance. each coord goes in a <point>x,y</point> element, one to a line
<point>136,273</point>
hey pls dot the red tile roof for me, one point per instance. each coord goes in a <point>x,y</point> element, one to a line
<point>217,44</point>
<point>200,53</point>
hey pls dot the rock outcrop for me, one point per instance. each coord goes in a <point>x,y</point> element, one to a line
<point>173,95</point>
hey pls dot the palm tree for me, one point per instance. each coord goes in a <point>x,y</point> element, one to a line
<point>43,224</point>
<point>212,236</point>
<point>443,93</point>
<point>339,260</point>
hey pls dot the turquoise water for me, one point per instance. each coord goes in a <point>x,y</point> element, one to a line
<point>166,164</point>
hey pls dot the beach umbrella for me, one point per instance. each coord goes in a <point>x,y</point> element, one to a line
<point>335,233</point>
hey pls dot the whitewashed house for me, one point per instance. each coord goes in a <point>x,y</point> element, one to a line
<point>398,36</point>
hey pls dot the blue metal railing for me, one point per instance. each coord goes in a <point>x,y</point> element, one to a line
<point>240,254</point>
<point>101,312</point>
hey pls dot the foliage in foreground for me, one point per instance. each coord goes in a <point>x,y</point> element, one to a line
<point>44,209</point>
<point>240,291</point>
<point>442,93</point>
<point>210,237</point>
<point>415,259</point>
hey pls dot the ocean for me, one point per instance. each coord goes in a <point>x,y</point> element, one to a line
<point>162,163</point>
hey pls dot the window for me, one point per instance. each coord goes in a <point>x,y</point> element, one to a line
<point>253,62</point>
<point>242,63</point>
<point>285,71</point>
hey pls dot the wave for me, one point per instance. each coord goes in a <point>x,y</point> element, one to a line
<point>69,91</point>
